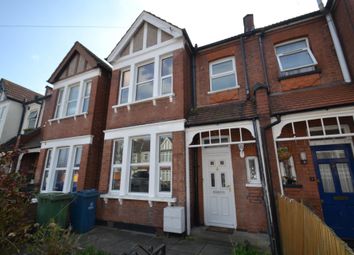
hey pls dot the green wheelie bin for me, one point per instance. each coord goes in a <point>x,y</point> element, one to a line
<point>54,206</point>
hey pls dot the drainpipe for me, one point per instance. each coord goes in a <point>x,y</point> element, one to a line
<point>22,118</point>
<point>196,188</point>
<point>261,52</point>
<point>336,42</point>
<point>268,194</point>
<point>193,54</point>
<point>244,63</point>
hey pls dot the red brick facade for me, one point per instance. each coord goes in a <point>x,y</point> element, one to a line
<point>262,94</point>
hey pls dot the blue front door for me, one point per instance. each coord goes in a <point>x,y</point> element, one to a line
<point>334,168</point>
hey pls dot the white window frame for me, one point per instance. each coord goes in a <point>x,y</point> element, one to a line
<point>86,84</point>
<point>67,101</point>
<point>35,120</point>
<point>55,169</point>
<point>136,84</point>
<point>163,164</point>
<point>257,182</point>
<point>213,76</point>
<point>293,52</point>
<point>62,104</point>
<point>292,169</point>
<point>116,165</point>
<point>161,78</point>
<point>47,167</point>
<point>74,168</point>
<point>130,164</point>
<point>59,104</point>
<point>121,85</point>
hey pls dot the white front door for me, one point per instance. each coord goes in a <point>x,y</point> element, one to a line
<point>219,202</point>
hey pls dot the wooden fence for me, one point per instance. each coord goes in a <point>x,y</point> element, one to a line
<point>303,232</point>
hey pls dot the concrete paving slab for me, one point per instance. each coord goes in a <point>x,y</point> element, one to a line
<point>117,242</point>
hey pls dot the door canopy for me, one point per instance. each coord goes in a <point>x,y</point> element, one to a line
<point>316,125</point>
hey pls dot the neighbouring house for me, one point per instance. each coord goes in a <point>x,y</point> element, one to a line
<point>73,123</point>
<point>218,130</point>
<point>20,117</point>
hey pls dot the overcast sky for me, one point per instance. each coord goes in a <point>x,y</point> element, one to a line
<point>35,35</point>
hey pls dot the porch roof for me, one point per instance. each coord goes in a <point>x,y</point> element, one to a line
<point>222,113</point>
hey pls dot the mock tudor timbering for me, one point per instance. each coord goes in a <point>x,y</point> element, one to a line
<point>131,129</point>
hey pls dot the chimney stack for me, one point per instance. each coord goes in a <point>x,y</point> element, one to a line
<point>248,23</point>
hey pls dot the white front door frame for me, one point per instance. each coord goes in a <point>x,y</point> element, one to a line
<point>225,150</point>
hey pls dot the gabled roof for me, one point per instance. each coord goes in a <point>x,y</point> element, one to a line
<point>89,56</point>
<point>17,92</point>
<point>145,16</point>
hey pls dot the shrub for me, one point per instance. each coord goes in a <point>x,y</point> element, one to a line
<point>14,203</point>
<point>52,239</point>
<point>245,249</point>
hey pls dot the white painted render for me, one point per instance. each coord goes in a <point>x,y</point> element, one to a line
<point>11,120</point>
<point>31,108</point>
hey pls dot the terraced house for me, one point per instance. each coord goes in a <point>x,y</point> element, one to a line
<point>216,131</point>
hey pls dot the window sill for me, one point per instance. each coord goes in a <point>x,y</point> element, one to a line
<point>67,117</point>
<point>223,90</point>
<point>254,185</point>
<point>285,77</point>
<point>150,200</point>
<point>299,186</point>
<point>152,99</point>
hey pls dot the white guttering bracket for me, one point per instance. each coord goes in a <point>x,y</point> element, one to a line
<point>155,128</point>
<point>71,141</point>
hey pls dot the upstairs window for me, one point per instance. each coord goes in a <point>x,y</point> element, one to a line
<point>295,57</point>
<point>72,100</point>
<point>32,119</point>
<point>145,82</point>
<point>124,87</point>
<point>86,96</point>
<point>166,76</point>
<point>59,103</point>
<point>223,75</point>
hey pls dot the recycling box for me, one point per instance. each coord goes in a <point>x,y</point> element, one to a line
<point>83,210</point>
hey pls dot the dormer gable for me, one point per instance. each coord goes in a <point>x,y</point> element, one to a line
<point>78,60</point>
<point>147,32</point>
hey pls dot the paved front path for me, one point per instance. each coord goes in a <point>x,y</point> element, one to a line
<point>117,241</point>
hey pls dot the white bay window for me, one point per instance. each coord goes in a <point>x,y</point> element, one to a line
<point>145,169</point>
<point>73,99</point>
<point>61,169</point>
<point>150,80</point>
